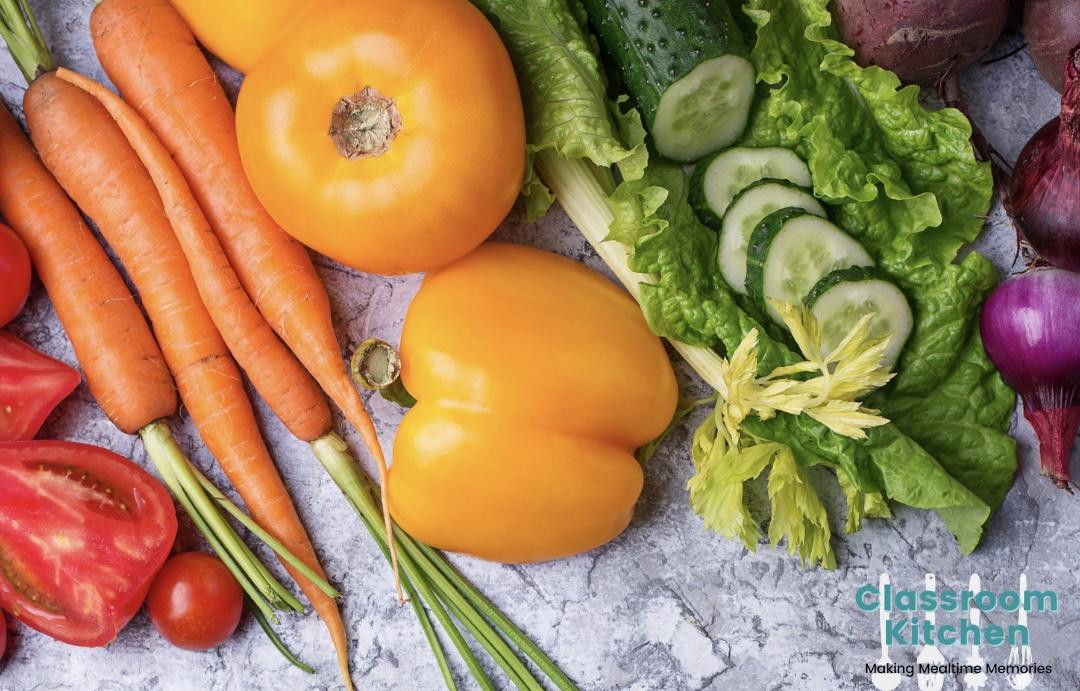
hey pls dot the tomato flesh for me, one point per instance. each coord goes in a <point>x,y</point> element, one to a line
<point>82,534</point>
<point>31,385</point>
<point>14,274</point>
<point>195,603</point>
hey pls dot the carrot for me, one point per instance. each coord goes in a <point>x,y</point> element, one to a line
<point>150,54</point>
<point>273,369</point>
<point>90,156</point>
<point>123,365</point>
<point>122,362</point>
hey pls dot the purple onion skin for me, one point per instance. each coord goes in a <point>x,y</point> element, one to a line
<point>1031,331</point>
<point>920,40</point>
<point>1044,195</point>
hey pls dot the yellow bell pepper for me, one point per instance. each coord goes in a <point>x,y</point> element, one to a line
<point>536,380</point>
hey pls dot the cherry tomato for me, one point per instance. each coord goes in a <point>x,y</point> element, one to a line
<point>31,385</point>
<point>195,603</point>
<point>389,136</point>
<point>82,533</point>
<point>14,274</point>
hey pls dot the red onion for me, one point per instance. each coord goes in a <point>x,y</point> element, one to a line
<point>1031,330</point>
<point>1044,197</point>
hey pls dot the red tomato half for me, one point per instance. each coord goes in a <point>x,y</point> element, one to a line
<point>82,534</point>
<point>14,274</point>
<point>195,603</point>
<point>31,384</point>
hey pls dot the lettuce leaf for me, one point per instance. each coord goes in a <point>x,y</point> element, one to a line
<point>564,92</point>
<point>905,182</point>
<point>689,300</point>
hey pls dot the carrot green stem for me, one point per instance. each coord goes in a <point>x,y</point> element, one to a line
<point>503,622</point>
<point>270,586</point>
<point>175,470</point>
<point>442,588</point>
<point>164,454</point>
<point>24,39</point>
<point>276,640</point>
<point>479,627</point>
<point>425,621</point>
<point>270,541</point>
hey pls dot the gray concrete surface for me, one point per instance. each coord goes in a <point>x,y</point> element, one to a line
<point>667,605</point>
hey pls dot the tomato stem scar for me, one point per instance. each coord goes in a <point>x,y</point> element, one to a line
<point>364,124</point>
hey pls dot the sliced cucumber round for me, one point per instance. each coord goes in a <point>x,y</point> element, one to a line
<point>790,251</point>
<point>717,180</point>
<point>842,298</point>
<point>706,110</point>
<point>747,210</point>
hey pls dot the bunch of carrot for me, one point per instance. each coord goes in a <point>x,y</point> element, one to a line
<point>193,299</point>
<point>123,364</point>
<point>170,195</point>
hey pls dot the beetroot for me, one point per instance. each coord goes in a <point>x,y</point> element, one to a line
<point>922,41</point>
<point>1052,27</point>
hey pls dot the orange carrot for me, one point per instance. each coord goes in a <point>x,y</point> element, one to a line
<point>122,363</point>
<point>90,156</point>
<point>150,54</point>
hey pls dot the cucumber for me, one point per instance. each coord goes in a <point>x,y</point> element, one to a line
<point>790,251</point>
<point>843,297</point>
<point>687,67</point>
<point>747,210</point>
<point>717,180</point>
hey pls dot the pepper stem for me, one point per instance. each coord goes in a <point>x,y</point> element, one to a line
<point>376,366</point>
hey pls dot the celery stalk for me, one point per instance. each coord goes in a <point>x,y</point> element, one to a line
<point>582,190</point>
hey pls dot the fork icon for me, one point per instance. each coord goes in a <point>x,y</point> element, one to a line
<point>1021,655</point>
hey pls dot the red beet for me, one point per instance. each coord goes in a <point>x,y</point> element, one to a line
<point>920,40</point>
<point>1051,27</point>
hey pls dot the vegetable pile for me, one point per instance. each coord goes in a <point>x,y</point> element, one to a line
<point>900,180</point>
<point>787,214</point>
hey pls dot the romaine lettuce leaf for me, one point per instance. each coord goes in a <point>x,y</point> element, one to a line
<point>564,92</point>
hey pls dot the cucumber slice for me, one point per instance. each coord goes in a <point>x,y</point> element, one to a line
<point>687,67</point>
<point>842,298</point>
<point>789,253</point>
<point>747,210</point>
<point>706,110</point>
<point>717,180</point>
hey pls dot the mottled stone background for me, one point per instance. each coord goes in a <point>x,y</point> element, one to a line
<point>666,605</point>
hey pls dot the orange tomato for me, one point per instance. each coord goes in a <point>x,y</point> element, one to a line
<point>388,136</point>
<point>536,380</point>
<point>238,31</point>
